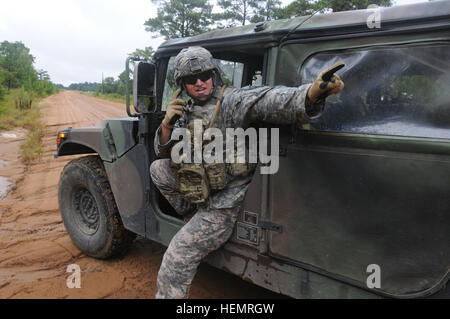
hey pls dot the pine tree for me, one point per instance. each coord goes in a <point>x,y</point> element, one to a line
<point>306,7</point>
<point>339,5</point>
<point>180,18</point>
<point>143,54</point>
<point>16,63</point>
<point>266,10</point>
<point>236,12</point>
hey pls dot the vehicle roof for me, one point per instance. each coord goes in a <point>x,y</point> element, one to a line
<point>329,23</point>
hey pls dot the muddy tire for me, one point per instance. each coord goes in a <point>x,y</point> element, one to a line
<point>89,211</point>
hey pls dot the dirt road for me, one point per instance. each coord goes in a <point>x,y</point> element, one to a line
<point>35,249</point>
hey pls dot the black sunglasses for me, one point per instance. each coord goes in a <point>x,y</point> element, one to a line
<point>192,79</point>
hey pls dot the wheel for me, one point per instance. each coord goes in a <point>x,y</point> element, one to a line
<point>89,211</point>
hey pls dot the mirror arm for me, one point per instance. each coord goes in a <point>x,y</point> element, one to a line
<point>127,69</point>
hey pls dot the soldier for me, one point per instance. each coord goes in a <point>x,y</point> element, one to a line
<point>216,208</point>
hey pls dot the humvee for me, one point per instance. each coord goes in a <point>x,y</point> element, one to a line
<point>360,205</point>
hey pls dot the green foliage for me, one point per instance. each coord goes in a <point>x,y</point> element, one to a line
<point>16,63</point>
<point>306,7</point>
<point>2,89</point>
<point>296,9</point>
<point>122,83</point>
<point>32,149</point>
<point>266,10</point>
<point>13,116</point>
<point>22,99</point>
<point>113,97</point>
<point>239,12</point>
<point>17,71</point>
<point>236,12</point>
<point>109,85</point>
<point>45,88</point>
<point>180,18</point>
<point>28,118</point>
<point>21,87</point>
<point>339,5</point>
<point>184,18</point>
<point>145,54</point>
<point>84,87</point>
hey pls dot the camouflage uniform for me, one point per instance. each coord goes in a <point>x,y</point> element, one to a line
<point>211,227</point>
<point>213,223</point>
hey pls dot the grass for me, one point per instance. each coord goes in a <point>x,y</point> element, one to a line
<point>113,97</point>
<point>29,119</point>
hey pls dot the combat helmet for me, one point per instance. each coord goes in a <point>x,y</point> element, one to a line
<point>194,60</point>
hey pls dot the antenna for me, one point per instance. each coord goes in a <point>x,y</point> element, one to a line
<point>300,24</point>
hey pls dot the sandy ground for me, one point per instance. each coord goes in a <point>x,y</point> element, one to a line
<point>35,249</point>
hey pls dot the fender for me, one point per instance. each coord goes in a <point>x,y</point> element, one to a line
<point>111,140</point>
<point>125,161</point>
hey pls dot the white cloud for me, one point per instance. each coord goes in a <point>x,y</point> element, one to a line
<point>75,41</point>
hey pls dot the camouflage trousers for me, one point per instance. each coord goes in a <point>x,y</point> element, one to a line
<point>205,232</point>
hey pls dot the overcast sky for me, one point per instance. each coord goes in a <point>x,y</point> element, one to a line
<point>77,40</point>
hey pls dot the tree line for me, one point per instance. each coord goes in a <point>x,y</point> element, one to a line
<point>185,18</point>
<point>18,72</point>
<point>109,85</point>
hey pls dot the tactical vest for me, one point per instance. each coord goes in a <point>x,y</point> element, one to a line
<point>197,180</point>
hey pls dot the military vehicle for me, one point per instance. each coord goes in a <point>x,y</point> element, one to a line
<point>360,205</point>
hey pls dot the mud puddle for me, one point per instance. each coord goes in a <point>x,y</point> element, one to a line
<point>10,166</point>
<point>5,184</point>
<point>5,187</point>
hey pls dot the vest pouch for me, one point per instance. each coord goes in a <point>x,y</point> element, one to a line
<point>217,175</point>
<point>235,168</point>
<point>193,182</point>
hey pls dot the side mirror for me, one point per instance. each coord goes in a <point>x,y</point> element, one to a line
<point>144,88</point>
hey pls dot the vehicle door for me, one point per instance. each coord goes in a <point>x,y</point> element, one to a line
<point>236,72</point>
<point>365,187</point>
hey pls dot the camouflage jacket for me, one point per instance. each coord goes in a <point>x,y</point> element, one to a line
<point>240,108</point>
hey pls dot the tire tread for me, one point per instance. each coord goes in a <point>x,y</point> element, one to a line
<point>121,237</point>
